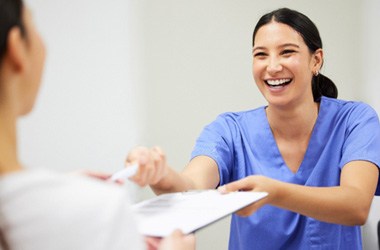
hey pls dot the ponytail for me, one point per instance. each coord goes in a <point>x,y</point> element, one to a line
<point>3,243</point>
<point>323,86</point>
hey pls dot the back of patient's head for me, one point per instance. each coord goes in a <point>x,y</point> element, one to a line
<point>10,16</point>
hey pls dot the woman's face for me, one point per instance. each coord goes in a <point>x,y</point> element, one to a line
<point>283,65</point>
<point>35,58</point>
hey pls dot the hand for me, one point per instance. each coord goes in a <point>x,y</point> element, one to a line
<point>152,165</point>
<point>178,241</point>
<point>152,243</point>
<point>254,183</point>
<point>90,173</point>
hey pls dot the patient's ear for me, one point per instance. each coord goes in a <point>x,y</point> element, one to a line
<point>317,60</point>
<point>16,54</point>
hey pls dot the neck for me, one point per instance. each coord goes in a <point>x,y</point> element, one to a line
<point>8,142</point>
<point>294,123</point>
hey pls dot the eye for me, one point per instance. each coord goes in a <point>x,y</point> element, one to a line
<point>259,54</point>
<point>288,52</point>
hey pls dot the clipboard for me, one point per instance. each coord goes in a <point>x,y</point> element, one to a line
<point>188,211</point>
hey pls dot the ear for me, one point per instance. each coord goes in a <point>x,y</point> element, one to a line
<point>16,54</point>
<point>317,60</point>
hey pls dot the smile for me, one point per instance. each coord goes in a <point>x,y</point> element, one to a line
<point>278,82</point>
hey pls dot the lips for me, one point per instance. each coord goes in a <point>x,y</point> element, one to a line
<point>276,83</point>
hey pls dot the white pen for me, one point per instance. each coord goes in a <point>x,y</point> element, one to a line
<point>124,173</point>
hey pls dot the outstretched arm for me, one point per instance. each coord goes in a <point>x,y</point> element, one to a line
<point>200,173</point>
<point>347,204</point>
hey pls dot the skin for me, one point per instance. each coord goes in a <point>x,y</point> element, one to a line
<point>177,240</point>
<point>279,53</point>
<point>292,111</point>
<point>20,77</point>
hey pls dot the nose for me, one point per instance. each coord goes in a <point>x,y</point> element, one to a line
<point>274,65</point>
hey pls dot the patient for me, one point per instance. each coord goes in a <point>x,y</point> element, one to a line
<point>40,209</point>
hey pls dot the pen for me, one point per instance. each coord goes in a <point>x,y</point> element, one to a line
<point>124,173</point>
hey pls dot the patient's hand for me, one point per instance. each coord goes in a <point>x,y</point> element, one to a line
<point>93,174</point>
<point>176,241</point>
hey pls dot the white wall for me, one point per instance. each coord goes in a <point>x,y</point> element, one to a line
<point>86,115</point>
<point>370,66</point>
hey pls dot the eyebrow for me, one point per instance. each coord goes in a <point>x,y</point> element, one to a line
<point>281,46</point>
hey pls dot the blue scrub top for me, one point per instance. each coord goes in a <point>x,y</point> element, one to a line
<point>242,144</point>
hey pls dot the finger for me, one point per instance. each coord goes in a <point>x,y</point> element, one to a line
<point>92,174</point>
<point>177,233</point>
<point>142,175</point>
<point>139,178</point>
<point>159,164</point>
<point>156,166</point>
<point>152,169</point>
<point>245,184</point>
<point>152,242</point>
<point>163,168</point>
<point>249,210</point>
<point>160,152</point>
<point>134,154</point>
<point>157,156</point>
<point>190,239</point>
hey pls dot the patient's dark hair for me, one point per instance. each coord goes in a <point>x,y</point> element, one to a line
<point>321,85</point>
<point>3,243</point>
<point>10,16</point>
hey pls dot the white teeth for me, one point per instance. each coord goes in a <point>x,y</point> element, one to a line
<point>277,82</point>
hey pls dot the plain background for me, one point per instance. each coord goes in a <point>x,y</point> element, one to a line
<point>144,72</point>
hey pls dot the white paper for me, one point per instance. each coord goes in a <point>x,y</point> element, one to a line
<point>188,211</point>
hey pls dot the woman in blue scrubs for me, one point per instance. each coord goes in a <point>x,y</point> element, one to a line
<point>318,157</point>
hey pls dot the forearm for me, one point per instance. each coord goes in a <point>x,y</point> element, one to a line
<point>341,205</point>
<point>172,182</point>
<point>346,204</point>
<point>200,173</point>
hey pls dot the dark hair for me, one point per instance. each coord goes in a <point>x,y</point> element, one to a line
<point>321,85</point>
<point>3,243</point>
<point>10,16</point>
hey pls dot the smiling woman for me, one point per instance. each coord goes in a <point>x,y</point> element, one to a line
<point>315,155</point>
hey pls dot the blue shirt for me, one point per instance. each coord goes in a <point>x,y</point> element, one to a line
<point>242,144</point>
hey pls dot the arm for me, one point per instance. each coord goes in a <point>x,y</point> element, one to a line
<point>347,204</point>
<point>200,173</point>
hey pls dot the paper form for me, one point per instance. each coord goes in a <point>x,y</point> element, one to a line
<point>188,211</point>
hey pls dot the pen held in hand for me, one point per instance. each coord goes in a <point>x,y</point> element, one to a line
<point>124,173</point>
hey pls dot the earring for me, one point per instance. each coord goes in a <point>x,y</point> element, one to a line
<point>316,73</point>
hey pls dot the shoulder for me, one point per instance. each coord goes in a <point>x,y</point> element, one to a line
<point>76,206</point>
<point>55,193</point>
<point>242,116</point>
<point>348,109</point>
<point>232,123</point>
